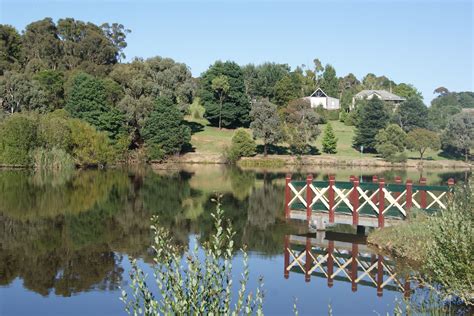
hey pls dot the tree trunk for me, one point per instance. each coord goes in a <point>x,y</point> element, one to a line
<point>466,151</point>
<point>265,150</point>
<point>220,116</point>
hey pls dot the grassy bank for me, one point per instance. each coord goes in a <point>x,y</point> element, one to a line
<point>210,140</point>
<point>438,246</point>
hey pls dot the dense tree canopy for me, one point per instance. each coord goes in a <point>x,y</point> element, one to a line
<point>459,133</point>
<point>411,114</point>
<point>163,131</point>
<point>236,107</point>
<point>266,123</point>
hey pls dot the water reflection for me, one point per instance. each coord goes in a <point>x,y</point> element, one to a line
<point>66,234</point>
<point>342,257</point>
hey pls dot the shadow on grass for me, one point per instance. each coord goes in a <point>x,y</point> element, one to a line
<point>273,150</point>
<point>194,126</point>
<point>281,150</point>
<point>187,148</point>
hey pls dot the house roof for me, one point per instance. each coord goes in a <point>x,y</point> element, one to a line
<point>382,94</point>
<point>319,93</point>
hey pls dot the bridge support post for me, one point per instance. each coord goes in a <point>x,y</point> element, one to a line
<point>286,273</point>
<point>309,197</point>
<point>308,261</point>
<point>332,182</point>
<point>379,276</point>
<point>330,262</point>
<point>287,195</point>
<point>354,265</point>
<point>381,202</point>
<point>423,203</point>
<point>409,198</point>
<point>355,202</point>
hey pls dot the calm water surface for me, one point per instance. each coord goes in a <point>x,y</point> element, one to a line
<point>65,241</point>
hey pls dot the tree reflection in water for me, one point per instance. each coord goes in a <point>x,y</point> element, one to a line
<point>67,233</point>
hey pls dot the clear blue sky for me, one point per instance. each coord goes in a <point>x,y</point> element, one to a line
<point>426,43</point>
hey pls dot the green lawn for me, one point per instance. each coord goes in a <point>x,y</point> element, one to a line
<point>211,140</point>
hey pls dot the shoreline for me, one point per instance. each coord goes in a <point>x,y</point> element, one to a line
<point>278,161</point>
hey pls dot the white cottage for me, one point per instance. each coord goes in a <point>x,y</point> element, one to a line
<point>320,98</point>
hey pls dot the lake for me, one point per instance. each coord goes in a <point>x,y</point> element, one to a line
<point>66,240</point>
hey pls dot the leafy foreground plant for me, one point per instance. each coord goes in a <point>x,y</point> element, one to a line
<point>439,245</point>
<point>196,284</point>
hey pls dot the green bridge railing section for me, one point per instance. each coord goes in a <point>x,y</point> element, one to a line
<point>355,198</point>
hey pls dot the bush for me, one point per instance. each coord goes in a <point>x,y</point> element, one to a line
<point>242,145</point>
<point>440,244</point>
<point>200,284</point>
<point>54,131</point>
<point>18,136</point>
<point>89,146</point>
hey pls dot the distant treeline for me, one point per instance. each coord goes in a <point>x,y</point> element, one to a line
<point>72,72</point>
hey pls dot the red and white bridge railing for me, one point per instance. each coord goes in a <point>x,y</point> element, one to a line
<point>368,200</point>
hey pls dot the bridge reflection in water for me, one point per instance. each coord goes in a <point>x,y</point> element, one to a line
<point>341,257</point>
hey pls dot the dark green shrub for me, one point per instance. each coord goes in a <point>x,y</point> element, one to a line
<point>164,128</point>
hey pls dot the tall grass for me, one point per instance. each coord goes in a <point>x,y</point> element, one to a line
<point>195,285</point>
<point>52,159</point>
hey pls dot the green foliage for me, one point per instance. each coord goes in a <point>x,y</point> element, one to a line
<point>330,82</point>
<point>412,114</point>
<point>54,131</point>
<point>52,82</point>
<point>242,145</point>
<point>446,105</point>
<point>235,109</point>
<point>301,125</point>
<point>87,100</point>
<point>441,244</point>
<point>420,140</point>
<point>459,133</point>
<point>288,88</point>
<point>390,143</point>
<point>407,91</point>
<point>329,140</point>
<point>18,136</point>
<point>200,284</point>
<point>372,117</point>
<point>11,50</point>
<point>220,85</point>
<point>260,80</point>
<point>89,146</point>
<point>266,123</point>
<point>19,93</point>
<point>164,131</point>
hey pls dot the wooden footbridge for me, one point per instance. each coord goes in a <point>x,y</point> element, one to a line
<point>371,204</point>
<point>342,261</point>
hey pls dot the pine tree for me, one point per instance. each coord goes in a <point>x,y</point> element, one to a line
<point>329,140</point>
<point>371,118</point>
